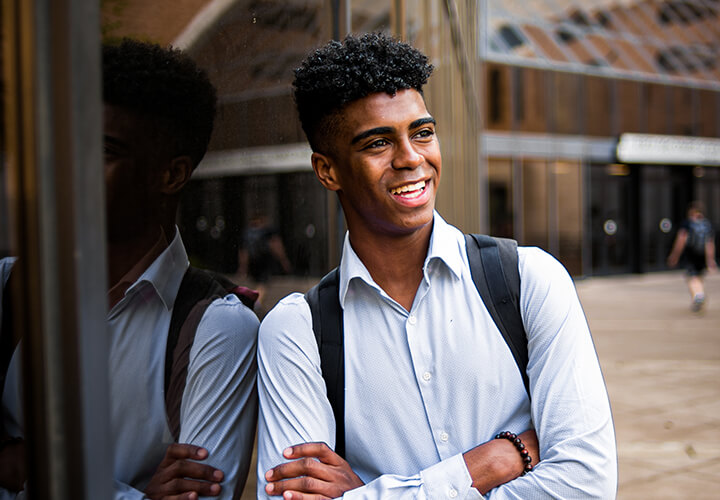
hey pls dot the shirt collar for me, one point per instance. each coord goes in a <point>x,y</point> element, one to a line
<point>166,272</point>
<point>446,247</point>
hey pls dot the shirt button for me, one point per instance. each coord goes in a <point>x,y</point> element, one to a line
<point>412,320</point>
<point>452,493</point>
<point>426,376</point>
<point>444,436</point>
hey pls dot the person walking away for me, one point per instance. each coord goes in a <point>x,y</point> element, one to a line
<point>695,243</point>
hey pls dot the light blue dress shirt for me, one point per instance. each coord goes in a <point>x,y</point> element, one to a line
<point>219,404</point>
<point>425,386</point>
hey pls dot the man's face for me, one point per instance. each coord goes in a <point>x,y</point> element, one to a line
<point>131,158</point>
<point>387,162</point>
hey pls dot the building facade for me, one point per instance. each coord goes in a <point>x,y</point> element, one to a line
<point>532,99</point>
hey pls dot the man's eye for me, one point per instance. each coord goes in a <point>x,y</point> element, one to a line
<point>425,133</point>
<point>378,143</point>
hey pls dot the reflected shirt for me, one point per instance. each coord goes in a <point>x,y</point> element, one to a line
<point>219,404</point>
<point>426,385</point>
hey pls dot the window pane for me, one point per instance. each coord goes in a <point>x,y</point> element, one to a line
<point>568,189</point>
<point>535,203</point>
<point>501,199</point>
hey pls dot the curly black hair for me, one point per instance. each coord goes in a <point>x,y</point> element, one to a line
<point>341,72</point>
<point>165,86</point>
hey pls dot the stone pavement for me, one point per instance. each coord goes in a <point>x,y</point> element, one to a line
<point>662,367</point>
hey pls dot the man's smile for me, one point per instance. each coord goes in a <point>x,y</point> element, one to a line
<point>409,190</point>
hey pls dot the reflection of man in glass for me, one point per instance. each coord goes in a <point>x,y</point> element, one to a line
<point>695,242</point>
<point>159,113</point>
<point>428,378</point>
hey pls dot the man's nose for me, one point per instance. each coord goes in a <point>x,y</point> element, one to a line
<point>407,156</point>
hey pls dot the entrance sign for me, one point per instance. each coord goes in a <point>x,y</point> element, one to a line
<point>668,149</point>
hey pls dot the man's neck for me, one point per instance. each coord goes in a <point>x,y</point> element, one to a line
<point>395,262</point>
<point>123,255</point>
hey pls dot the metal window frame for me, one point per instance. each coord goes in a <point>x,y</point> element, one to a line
<point>55,186</point>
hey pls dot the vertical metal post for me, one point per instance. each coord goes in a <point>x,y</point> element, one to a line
<point>55,184</point>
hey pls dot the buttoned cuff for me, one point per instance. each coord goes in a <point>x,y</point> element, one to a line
<point>449,480</point>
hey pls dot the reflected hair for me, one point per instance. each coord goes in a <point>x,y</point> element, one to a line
<point>165,86</point>
<point>341,72</point>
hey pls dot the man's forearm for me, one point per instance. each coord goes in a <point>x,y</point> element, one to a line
<point>498,461</point>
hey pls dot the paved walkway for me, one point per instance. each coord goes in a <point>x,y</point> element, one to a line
<point>662,367</point>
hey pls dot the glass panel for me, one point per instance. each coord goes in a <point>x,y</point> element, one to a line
<point>682,111</point>
<point>628,105</point>
<point>253,209</point>
<point>656,106</point>
<point>371,16</point>
<point>249,49</point>
<point>535,203</point>
<point>498,84</point>
<point>531,100</point>
<point>599,106</point>
<point>566,103</point>
<point>610,218</point>
<point>707,190</point>
<point>665,194</point>
<point>501,197</point>
<point>568,189</point>
<point>707,113</point>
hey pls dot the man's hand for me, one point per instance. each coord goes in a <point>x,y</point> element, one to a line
<point>317,473</point>
<point>498,461</point>
<point>12,465</point>
<point>179,478</point>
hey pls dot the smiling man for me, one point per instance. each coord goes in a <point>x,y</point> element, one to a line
<point>426,379</point>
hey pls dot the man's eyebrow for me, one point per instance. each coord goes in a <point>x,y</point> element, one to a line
<point>372,131</point>
<point>386,130</point>
<point>422,121</point>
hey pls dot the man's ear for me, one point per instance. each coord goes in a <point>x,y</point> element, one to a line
<point>325,170</point>
<point>176,174</point>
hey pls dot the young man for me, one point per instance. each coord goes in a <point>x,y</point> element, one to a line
<point>695,241</point>
<point>159,113</point>
<point>429,379</point>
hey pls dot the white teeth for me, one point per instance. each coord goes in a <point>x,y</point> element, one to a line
<point>409,187</point>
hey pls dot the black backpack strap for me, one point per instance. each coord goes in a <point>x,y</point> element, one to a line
<point>327,318</point>
<point>494,269</point>
<point>197,290</point>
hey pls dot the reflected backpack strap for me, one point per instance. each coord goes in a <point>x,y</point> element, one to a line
<point>494,270</point>
<point>327,319</point>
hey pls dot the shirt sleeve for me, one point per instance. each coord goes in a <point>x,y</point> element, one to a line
<point>294,409</point>
<point>570,406</point>
<point>124,491</point>
<point>219,404</point>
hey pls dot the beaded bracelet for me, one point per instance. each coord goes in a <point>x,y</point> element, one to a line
<point>512,437</point>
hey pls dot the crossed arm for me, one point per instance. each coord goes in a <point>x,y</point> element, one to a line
<point>315,472</point>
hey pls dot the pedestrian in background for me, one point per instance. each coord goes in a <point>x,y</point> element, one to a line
<point>695,243</point>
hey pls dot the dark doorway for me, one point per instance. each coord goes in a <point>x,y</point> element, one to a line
<point>611,218</point>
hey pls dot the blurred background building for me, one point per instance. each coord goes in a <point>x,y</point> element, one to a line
<point>532,97</point>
